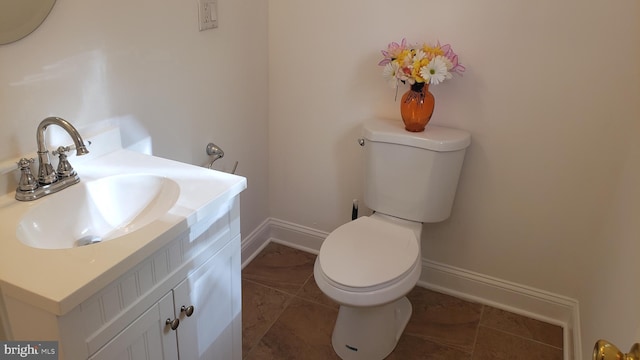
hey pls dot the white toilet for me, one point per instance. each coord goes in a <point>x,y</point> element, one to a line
<point>368,265</point>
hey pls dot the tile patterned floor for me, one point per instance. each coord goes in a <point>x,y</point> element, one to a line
<point>286,316</point>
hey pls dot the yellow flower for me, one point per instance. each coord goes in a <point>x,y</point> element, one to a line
<point>416,67</point>
<point>432,51</point>
<point>404,57</point>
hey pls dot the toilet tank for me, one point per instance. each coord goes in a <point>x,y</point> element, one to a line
<point>409,175</point>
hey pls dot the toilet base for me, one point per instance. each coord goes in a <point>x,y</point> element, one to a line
<point>370,333</point>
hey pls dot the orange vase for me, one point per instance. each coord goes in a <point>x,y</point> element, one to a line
<point>416,107</point>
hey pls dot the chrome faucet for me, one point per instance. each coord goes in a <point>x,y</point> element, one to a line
<point>49,181</point>
<point>46,174</point>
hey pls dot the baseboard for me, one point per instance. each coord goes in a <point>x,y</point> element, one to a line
<point>297,236</point>
<point>253,243</point>
<point>524,300</point>
<point>533,303</point>
<point>283,232</point>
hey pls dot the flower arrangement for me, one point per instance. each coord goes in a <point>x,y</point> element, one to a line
<point>415,63</point>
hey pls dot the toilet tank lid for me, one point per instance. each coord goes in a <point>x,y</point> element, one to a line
<point>435,138</point>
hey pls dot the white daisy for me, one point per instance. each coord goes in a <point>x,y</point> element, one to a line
<point>449,67</point>
<point>419,55</point>
<point>435,72</point>
<point>390,73</point>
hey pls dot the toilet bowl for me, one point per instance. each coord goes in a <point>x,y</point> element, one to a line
<point>368,265</point>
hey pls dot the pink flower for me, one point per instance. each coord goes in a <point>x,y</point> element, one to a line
<point>457,67</point>
<point>453,58</point>
<point>393,50</point>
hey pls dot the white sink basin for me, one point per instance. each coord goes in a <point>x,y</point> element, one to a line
<point>96,211</point>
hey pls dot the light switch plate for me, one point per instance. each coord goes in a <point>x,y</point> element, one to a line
<point>207,14</point>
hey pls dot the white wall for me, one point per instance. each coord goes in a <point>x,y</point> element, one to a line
<point>609,299</point>
<point>610,293</point>
<point>146,63</point>
<point>549,97</point>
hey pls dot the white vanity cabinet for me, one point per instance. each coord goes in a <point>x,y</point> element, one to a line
<point>213,331</point>
<point>145,338</point>
<point>127,318</point>
<point>207,307</point>
<point>111,300</point>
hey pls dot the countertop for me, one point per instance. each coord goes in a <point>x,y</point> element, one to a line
<point>57,280</point>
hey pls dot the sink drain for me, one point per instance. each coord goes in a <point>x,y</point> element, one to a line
<point>88,240</point>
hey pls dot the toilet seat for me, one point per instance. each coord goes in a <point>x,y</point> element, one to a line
<point>368,253</point>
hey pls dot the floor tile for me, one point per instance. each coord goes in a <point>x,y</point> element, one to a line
<point>443,319</point>
<point>310,291</point>
<point>497,345</point>
<point>303,331</point>
<point>261,307</point>
<point>414,348</point>
<point>522,326</point>
<point>280,267</point>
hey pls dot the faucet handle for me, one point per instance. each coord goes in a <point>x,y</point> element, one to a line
<point>27,181</point>
<point>64,167</point>
<point>25,163</point>
<point>61,150</point>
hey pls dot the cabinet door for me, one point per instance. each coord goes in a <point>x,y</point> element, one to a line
<point>148,337</point>
<point>213,331</point>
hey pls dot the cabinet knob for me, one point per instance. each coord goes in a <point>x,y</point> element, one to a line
<point>188,310</point>
<point>173,323</point>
